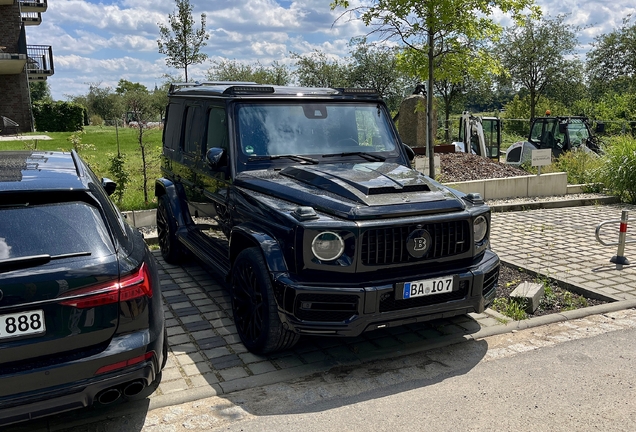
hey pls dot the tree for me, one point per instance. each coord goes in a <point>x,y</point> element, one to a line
<point>536,54</point>
<point>232,70</point>
<point>611,63</point>
<point>101,101</point>
<point>453,72</point>
<point>181,42</point>
<point>40,91</point>
<point>138,102</point>
<point>125,86</point>
<point>433,28</point>
<point>376,67</point>
<point>316,70</point>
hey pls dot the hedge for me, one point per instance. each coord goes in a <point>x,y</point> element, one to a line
<point>58,116</point>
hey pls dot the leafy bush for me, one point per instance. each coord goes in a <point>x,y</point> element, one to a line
<point>618,172</point>
<point>581,166</point>
<point>58,116</point>
<point>96,120</point>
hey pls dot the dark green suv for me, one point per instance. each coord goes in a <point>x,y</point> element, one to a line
<point>305,199</point>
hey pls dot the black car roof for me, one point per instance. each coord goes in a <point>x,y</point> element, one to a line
<point>40,171</point>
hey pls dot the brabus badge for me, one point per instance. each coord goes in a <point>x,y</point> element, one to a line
<point>418,243</point>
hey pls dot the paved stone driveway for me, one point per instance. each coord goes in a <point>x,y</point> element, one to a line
<point>207,358</point>
<point>561,243</point>
<point>206,355</point>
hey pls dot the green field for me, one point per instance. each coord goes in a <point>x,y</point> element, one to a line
<point>102,141</point>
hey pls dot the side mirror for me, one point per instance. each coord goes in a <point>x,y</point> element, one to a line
<point>409,151</point>
<point>600,128</point>
<point>109,185</point>
<point>563,128</point>
<point>216,157</point>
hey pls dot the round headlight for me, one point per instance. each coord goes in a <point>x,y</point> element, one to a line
<point>327,246</point>
<point>480,228</point>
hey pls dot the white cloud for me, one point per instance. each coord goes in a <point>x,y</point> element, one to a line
<point>105,40</point>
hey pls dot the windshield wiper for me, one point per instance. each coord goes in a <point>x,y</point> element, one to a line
<point>368,156</point>
<point>296,158</point>
<point>35,260</point>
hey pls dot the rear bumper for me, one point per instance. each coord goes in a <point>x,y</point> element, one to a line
<point>350,311</point>
<point>73,385</point>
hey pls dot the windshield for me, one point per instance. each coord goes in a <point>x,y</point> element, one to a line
<point>578,133</point>
<point>312,129</point>
<point>54,229</point>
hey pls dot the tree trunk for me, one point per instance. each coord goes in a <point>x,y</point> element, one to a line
<point>430,142</point>
<point>532,104</point>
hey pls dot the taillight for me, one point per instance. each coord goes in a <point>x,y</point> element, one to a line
<point>134,285</point>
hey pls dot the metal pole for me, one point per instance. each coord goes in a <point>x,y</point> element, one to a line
<point>620,259</point>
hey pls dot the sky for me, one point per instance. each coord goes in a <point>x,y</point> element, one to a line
<point>99,42</point>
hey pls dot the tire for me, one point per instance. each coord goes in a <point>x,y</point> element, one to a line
<point>254,307</point>
<point>171,249</point>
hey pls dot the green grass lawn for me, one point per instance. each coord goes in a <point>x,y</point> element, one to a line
<point>103,140</point>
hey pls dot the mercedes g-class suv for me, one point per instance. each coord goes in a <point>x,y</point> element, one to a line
<point>305,200</point>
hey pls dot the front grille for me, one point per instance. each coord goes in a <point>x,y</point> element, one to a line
<point>326,307</point>
<point>388,302</point>
<point>382,246</point>
<point>490,280</point>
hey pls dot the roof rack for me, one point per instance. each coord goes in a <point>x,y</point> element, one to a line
<point>176,86</point>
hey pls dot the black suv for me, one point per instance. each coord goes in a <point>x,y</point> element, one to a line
<point>304,198</point>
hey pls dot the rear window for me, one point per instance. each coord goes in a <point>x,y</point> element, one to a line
<point>53,229</point>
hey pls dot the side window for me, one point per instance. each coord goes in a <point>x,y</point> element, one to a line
<point>172,130</point>
<point>193,130</point>
<point>217,129</point>
<point>537,131</point>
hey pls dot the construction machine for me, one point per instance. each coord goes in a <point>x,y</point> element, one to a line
<point>479,135</point>
<point>558,133</point>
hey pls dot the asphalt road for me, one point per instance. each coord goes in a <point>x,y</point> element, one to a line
<point>578,375</point>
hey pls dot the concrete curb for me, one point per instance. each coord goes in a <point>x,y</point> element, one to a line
<point>554,318</point>
<point>554,204</point>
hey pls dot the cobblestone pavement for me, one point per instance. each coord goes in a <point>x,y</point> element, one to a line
<point>207,358</point>
<point>561,243</point>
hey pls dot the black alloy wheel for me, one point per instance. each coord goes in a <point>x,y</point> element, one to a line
<point>254,307</point>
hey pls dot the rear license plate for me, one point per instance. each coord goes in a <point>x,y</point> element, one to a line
<point>426,287</point>
<point>22,324</point>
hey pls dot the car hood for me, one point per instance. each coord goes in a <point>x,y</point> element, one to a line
<point>373,189</point>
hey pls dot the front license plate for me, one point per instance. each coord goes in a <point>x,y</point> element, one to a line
<point>22,324</point>
<point>427,287</point>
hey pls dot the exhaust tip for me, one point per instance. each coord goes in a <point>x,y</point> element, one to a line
<point>134,388</point>
<point>108,396</point>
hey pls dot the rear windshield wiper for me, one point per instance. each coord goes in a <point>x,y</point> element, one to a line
<point>368,156</point>
<point>296,158</point>
<point>35,260</point>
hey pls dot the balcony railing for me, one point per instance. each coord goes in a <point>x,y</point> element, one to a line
<point>33,5</point>
<point>40,62</point>
<point>31,18</point>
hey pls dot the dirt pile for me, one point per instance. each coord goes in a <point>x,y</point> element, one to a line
<point>457,167</point>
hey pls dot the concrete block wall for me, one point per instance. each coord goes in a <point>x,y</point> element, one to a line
<point>513,187</point>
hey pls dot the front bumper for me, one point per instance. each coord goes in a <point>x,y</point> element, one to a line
<point>63,387</point>
<point>352,310</point>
